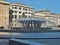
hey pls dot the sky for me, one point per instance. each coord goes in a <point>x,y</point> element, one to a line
<point>52,5</point>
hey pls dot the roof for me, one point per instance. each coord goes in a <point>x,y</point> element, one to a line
<point>21,4</point>
<point>3,2</point>
<point>43,10</point>
<point>54,14</point>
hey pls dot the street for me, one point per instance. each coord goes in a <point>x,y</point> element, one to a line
<point>4,42</point>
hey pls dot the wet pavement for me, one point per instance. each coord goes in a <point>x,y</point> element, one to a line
<point>4,42</point>
<point>52,38</point>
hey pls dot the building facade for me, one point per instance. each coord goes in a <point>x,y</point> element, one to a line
<point>19,11</point>
<point>4,14</point>
<point>52,19</point>
<point>42,12</point>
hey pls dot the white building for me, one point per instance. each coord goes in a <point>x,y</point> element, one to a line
<point>52,19</point>
<point>19,11</point>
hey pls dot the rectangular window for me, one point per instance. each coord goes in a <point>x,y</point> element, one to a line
<point>20,8</point>
<point>19,16</point>
<point>15,11</point>
<point>15,7</point>
<point>29,9</point>
<point>15,16</point>
<point>24,9</point>
<point>12,11</point>
<point>25,12</point>
<point>19,12</point>
<point>12,16</point>
<point>28,12</point>
<point>12,7</point>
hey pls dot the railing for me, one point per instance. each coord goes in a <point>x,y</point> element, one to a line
<point>35,18</point>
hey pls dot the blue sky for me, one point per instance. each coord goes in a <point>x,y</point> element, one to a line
<point>52,5</point>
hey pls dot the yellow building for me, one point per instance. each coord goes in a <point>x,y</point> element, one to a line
<point>4,13</point>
